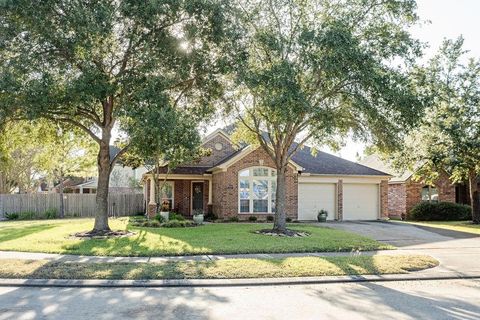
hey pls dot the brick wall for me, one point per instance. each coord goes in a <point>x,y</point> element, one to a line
<point>225,187</point>
<point>183,196</point>
<point>384,212</point>
<point>397,199</point>
<point>216,155</point>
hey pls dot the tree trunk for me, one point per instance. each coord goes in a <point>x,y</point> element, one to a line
<point>104,168</point>
<point>280,223</point>
<point>474,198</point>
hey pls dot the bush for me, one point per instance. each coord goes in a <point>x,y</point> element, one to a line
<point>146,224</point>
<point>288,219</point>
<point>178,224</point>
<point>158,217</point>
<point>50,213</point>
<point>176,216</point>
<point>233,219</point>
<point>270,218</point>
<point>211,217</point>
<point>440,211</point>
<point>252,218</point>
<point>12,216</point>
<point>155,224</point>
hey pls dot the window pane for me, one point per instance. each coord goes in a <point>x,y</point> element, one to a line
<point>244,189</point>
<point>260,189</point>
<point>260,172</point>
<point>260,205</point>
<point>244,205</point>
<point>244,173</point>
<point>274,173</point>
<point>167,190</point>
<point>433,194</point>
<point>273,195</point>
<point>425,195</point>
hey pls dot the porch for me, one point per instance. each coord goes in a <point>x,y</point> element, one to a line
<point>184,193</point>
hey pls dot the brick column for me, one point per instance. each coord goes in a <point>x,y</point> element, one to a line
<point>152,206</point>
<point>384,200</point>
<point>340,200</point>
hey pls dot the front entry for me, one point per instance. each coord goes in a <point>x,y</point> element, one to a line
<point>197,196</point>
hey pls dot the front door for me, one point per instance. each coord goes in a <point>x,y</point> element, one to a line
<point>197,196</point>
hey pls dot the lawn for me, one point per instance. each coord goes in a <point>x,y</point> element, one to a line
<point>52,236</point>
<point>462,226</point>
<point>220,269</point>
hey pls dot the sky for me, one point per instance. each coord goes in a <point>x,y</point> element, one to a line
<point>445,19</point>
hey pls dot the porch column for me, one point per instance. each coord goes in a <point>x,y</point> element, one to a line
<point>152,191</point>
<point>209,191</point>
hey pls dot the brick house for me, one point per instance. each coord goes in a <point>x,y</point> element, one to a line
<point>404,192</point>
<point>240,181</point>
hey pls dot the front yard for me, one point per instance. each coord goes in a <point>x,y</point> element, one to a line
<point>52,236</point>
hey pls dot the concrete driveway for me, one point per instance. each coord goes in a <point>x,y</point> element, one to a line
<point>457,252</point>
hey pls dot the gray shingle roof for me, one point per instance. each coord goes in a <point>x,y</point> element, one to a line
<point>325,163</point>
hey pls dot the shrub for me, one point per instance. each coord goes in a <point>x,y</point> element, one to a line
<point>176,216</point>
<point>178,224</point>
<point>155,224</point>
<point>288,219</point>
<point>50,213</point>
<point>158,217</point>
<point>440,211</point>
<point>12,216</point>
<point>146,224</point>
<point>211,216</point>
<point>270,218</point>
<point>233,219</point>
<point>252,218</point>
<point>26,215</point>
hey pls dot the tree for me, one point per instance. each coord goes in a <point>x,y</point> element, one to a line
<point>448,140</point>
<point>169,138</point>
<point>315,71</point>
<point>91,63</point>
<point>65,152</point>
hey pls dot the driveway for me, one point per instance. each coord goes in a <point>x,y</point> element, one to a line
<point>456,251</point>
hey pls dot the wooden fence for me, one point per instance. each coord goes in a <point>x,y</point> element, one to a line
<point>76,205</point>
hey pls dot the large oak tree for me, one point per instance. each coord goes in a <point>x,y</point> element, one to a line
<point>317,70</point>
<point>91,63</point>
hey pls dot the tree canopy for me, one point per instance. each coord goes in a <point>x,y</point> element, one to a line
<point>316,71</point>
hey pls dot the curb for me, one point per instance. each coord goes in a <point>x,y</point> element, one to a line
<point>62,283</point>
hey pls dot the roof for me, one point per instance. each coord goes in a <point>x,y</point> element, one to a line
<point>374,161</point>
<point>182,170</point>
<point>325,163</point>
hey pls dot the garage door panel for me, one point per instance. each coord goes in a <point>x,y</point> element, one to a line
<point>360,201</point>
<point>313,197</point>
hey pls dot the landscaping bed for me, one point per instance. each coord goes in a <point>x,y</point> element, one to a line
<point>53,236</point>
<point>221,269</point>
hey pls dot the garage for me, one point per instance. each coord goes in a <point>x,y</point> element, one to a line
<point>360,201</point>
<point>313,197</point>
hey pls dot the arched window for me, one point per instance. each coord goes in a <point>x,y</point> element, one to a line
<point>430,194</point>
<point>256,190</point>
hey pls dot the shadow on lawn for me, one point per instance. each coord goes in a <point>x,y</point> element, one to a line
<point>12,233</point>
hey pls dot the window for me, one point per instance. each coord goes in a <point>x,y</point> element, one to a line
<point>167,193</point>
<point>429,193</point>
<point>256,190</point>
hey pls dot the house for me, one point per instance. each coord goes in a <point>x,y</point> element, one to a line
<point>239,181</point>
<point>404,192</point>
<point>123,179</point>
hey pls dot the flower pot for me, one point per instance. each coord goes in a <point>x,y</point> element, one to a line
<point>322,218</point>
<point>198,218</point>
<point>165,215</point>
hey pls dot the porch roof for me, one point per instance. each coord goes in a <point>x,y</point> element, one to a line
<point>183,170</point>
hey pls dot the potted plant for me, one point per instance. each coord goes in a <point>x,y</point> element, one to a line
<point>164,210</point>
<point>322,215</point>
<point>198,216</point>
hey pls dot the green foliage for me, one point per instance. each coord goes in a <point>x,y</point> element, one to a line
<point>440,211</point>
<point>12,216</point>
<point>27,215</point>
<point>252,218</point>
<point>178,224</point>
<point>270,218</point>
<point>155,224</point>
<point>288,219</point>
<point>50,214</point>
<point>176,216</point>
<point>233,219</point>
<point>159,218</point>
<point>211,216</point>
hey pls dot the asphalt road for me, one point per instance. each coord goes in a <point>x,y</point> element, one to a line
<point>446,299</point>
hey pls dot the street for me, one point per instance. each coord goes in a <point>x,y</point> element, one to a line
<point>446,299</point>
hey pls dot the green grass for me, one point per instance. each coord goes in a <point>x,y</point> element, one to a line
<point>52,236</point>
<point>221,269</point>
<point>462,226</point>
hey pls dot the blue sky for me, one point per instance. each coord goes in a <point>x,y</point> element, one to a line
<point>446,19</point>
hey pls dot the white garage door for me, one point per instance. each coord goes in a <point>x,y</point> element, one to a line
<point>313,197</point>
<point>360,201</point>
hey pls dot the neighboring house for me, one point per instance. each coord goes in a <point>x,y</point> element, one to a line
<point>240,182</point>
<point>123,179</point>
<point>404,193</point>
